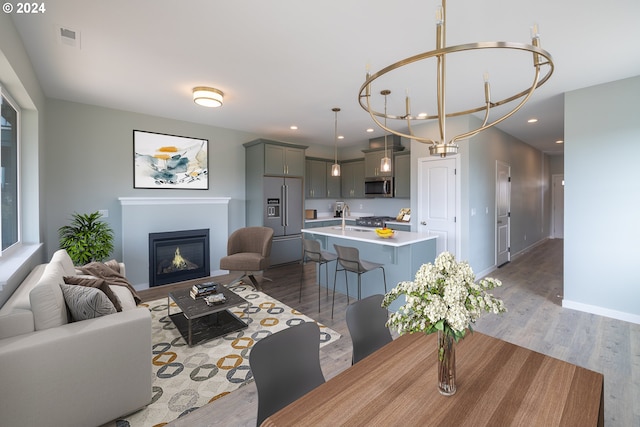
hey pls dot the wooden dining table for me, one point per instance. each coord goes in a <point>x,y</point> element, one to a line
<point>498,384</point>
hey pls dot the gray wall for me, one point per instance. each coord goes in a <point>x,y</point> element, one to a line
<point>602,203</point>
<point>89,164</point>
<point>530,190</point>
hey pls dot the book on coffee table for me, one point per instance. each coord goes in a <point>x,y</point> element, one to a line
<point>203,289</point>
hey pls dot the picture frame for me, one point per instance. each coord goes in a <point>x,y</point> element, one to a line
<point>170,161</point>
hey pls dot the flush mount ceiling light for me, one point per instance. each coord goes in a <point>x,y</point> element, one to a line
<point>207,96</point>
<point>442,146</point>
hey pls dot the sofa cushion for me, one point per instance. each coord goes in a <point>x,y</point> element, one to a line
<point>92,282</point>
<point>64,259</point>
<point>47,302</point>
<point>86,303</point>
<point>124,296</point>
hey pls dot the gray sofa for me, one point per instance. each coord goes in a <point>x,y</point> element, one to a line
<point>57,372</point>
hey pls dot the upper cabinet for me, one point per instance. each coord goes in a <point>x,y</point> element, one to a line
<point>283,160</point>
<point>319,184</point>
<point>265,157</point>
<point>372,161</point>
<point>352,178</point>
<point>402,173</point>
<point>333,182</point>
<point>316,179</point>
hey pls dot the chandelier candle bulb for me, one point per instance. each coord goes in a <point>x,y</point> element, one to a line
<point>439,16</point>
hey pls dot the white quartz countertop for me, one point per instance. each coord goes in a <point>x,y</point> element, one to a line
<point>368,234</point>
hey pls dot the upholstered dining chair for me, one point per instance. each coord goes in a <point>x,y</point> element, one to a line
<point>249,251</point>
<point>349,260</point>
<point>286,366</point>
<point>311,251</point>
<point>366,320</point>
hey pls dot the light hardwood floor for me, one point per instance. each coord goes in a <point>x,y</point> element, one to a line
<point>532,291</point>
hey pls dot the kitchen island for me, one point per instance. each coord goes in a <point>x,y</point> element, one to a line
<point>402,255</point>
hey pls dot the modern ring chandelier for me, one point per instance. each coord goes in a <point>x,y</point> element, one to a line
<point>443,145</point>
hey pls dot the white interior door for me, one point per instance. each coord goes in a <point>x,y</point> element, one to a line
<point>503,208</point>
<point>557,195</point>
<point>437,201</point>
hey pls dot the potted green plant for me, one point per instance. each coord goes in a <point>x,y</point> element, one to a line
<point>86,238</point>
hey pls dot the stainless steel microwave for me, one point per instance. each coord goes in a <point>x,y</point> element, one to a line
<point>378,187</point>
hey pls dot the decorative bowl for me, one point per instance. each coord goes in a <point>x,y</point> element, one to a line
<point>385,233</point>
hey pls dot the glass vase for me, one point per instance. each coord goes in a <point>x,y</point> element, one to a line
<point>446,364</point>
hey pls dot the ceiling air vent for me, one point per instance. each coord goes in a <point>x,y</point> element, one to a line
<point>68,37</point>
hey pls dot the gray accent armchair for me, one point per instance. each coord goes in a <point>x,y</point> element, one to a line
<point>248,251</point>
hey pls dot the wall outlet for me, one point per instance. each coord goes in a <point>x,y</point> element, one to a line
<point>361,206</point>
<point>104,213</point>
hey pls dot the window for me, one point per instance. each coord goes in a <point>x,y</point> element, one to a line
<point>9,161</point>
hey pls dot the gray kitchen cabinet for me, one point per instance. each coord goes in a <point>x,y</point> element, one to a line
<point>319,182</point>
<point>372,161</point>
<point>402,173</point>
<point>283,160</point>
<point>400,227</point>
<point>352,178</point>
<point>316,179</point>
<point>274,190</point>
<point>333,182</point>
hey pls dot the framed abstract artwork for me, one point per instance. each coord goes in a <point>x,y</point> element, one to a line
<point>169,161</point>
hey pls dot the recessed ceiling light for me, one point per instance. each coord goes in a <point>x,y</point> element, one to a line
<point>340,137</point>
<point>293,127</point>
<point>559,141</point>
<point>370,130</point>
<point>532,120</point>
<point>422,115</point>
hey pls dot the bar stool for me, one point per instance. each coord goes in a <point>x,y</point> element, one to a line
<point>313,252</point>
<point>349,260</point>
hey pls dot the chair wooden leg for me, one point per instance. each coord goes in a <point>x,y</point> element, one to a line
<point>256,285</point>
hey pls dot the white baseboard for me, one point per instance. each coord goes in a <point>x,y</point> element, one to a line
<point>601,311</point>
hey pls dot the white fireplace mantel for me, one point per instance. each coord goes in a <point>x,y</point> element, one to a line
<point>146,201</point>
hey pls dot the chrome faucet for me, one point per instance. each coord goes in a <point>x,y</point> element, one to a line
<point>344,209</point>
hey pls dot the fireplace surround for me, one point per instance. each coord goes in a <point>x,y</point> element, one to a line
<point>176,256</point>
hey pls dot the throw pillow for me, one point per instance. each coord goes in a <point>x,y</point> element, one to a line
<point>86,303</point>
<point>93,282</point>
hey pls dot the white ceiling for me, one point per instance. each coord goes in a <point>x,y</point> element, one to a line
<point>288,62</point>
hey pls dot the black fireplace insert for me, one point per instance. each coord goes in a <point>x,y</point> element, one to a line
<point>176,256</point>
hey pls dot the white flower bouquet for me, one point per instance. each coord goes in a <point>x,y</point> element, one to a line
<point>443,297</point>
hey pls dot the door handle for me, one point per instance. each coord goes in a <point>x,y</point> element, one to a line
<point>423,222</point>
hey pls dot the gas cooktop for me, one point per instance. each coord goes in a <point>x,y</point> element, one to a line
<point>373,221</point>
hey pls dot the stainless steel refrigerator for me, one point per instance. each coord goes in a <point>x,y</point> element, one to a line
<point>283,211</point>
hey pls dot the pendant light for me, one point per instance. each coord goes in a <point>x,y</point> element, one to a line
<point>385,163</point>
<point>335,168</point>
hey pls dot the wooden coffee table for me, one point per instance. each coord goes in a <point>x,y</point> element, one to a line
<point>199,322</point>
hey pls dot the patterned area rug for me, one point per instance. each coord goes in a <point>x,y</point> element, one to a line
<point>186,378</point>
